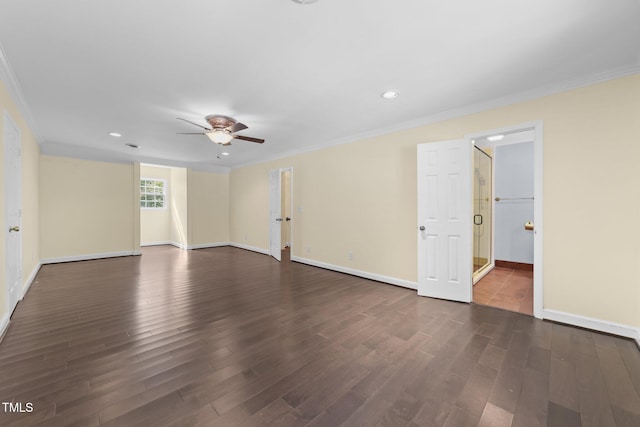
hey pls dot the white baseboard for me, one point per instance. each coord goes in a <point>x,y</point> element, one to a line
<point>359,273</point>
<point>209,245</point>
<point>249,248</point>
<point>186,247</point>
<point>591,323</point>
<point>179,245</point>
<point>30,280</point>
<point>88,257</point>
<point>4,324</point>
<point>165,242</point>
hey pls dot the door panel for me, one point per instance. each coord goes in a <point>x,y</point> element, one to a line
<point>444,210</point>
<point>13,220</point>
<point>275,214</point>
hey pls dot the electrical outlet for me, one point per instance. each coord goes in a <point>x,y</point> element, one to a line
<point>350,255</point>
<point>308,249</point>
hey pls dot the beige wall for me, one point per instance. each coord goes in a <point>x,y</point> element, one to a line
<point>30,204</point>
<point>208,199</point>
<point>155,224</point>
<point>198,208</point>
<point>179,209</point>
<point>86,207</point>
<point>591,249</point>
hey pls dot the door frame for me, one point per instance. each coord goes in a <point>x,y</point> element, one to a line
<point>538,258</point>
<point>290,213</point>
<point>280,170</point>
<point>15,201</point>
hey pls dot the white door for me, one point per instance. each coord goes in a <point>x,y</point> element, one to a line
<point>444,220</point>
<point>275,214</point>
<point>12,224</point>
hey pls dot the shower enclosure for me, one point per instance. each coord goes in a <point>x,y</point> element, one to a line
<point>482,219</point>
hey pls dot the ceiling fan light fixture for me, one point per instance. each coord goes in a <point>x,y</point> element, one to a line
<point>219,136</point>
<point>115,134</point>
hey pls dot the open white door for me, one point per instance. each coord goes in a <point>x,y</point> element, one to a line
<point>13,211</point>
<point>445,220</point>
<point>275,216</point>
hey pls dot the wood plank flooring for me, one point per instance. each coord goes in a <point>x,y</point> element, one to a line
<point>227,337</point>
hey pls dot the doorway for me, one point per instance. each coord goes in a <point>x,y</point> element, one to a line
<point>508,281</point>
<point>285,200</point>
<point>445,215</point>
<point>13,213</point>
<point>280,217</point>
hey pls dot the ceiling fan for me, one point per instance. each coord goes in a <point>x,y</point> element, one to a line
<point>223,130</point>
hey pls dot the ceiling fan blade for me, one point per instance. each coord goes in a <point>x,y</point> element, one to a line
<point>191,133</point>
<point>237,127</point>
<point>248,138</point>
<point>195,124</point>
<point>227,144</point>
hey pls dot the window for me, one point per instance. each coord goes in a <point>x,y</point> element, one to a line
<point>153,193</point>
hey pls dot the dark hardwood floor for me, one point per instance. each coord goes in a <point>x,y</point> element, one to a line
<point>227,337</point>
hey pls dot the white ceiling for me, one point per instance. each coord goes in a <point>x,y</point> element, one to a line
<point>300,76</point>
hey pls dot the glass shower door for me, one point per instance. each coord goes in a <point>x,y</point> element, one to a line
<point>481,211</point>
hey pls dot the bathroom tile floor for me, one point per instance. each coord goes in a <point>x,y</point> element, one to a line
<point>507,289</point>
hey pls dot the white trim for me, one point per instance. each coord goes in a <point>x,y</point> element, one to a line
<point>159,243</point>
<point>15,92</point>
<point>540,92</point>
<point>249,248</point>
<point>180,246</point>
<point>291,210</point>
<point>30,280</point>
<point>88,257</point>
<point>4,325</point>
<point>282,214</point>
<point>185,247</point>
<point>208,245</point>
<point>365,274</point>
<point>593,324</point>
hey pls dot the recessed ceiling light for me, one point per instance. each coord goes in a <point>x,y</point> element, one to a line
<point>305,1</point>
<point>132,145</point>
<point>224,153</point>
<point>495,138</point>
<point>115,134</point>
<point>390,94</point>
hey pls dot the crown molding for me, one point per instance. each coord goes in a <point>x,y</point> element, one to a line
<point>98,155</point>
<point>15,92</point>
<point>551,89</point>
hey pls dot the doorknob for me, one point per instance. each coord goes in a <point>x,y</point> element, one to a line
<point>14,228</point>
<point>528,226</point>
<point>287,219</point>
<point>422,228</point>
